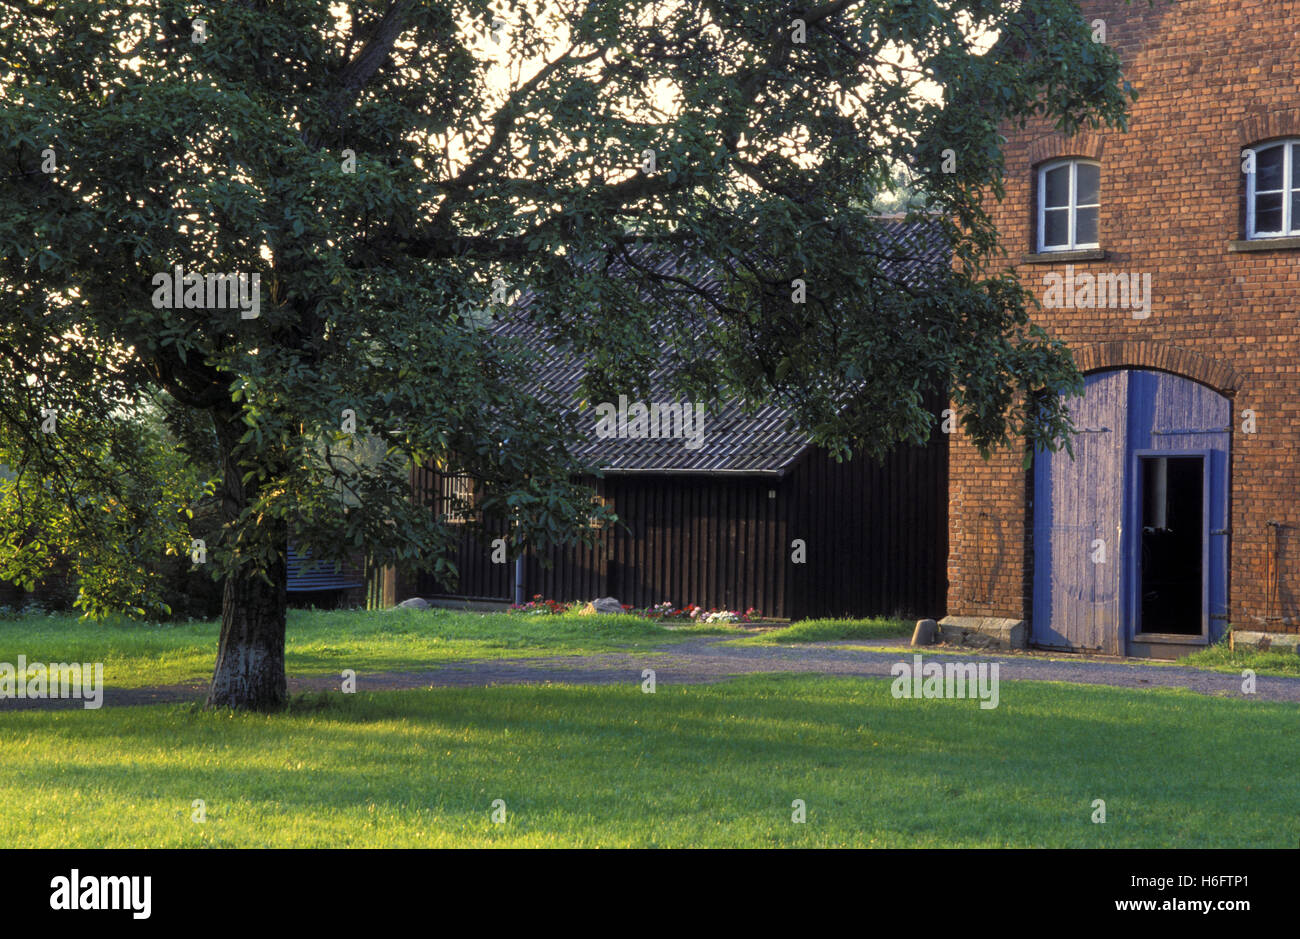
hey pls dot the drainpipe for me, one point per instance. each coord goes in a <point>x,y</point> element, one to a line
<point>519,541</point>
<point>519,571</point>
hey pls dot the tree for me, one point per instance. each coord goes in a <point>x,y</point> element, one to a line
<point>112,497</point>
<point>383,174</point>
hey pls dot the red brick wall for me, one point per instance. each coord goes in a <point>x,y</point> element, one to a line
<point>1214,76</point>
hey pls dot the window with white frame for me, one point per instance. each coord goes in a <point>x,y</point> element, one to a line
<point>1273,191</point>
<point>1069,201</point>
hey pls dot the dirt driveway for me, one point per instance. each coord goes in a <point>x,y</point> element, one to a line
<point>710,659</point>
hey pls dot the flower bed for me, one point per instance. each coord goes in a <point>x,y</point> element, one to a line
<point>540,606</point>
<point>701,615</point>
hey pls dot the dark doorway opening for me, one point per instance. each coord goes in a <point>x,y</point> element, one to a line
<point>1171,573</point>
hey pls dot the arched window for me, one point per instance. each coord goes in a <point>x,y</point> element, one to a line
<point>1273,190</point>
<point>1069,200</point>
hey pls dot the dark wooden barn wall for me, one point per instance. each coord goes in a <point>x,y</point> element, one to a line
<point>876,542</point>
<point>480,579</point>
<point>712,541</point>
<point>575,573</point>
<point>876,535</point>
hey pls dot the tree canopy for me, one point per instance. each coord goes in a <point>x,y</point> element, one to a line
<point>384,174</point>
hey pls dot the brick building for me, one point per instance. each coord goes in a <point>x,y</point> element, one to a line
<point>1179,514</point>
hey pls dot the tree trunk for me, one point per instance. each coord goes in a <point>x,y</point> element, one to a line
<point>250,658</point>
<point>250,655</point>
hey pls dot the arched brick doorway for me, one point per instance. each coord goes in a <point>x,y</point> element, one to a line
<point>1130,535</point>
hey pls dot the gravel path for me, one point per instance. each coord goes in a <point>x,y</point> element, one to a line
<point>707,659</point>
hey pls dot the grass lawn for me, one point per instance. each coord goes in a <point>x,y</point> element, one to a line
<point>324,643</point>
<point>1219,658</point>
<point>830,630</point>
<point>688,766</point>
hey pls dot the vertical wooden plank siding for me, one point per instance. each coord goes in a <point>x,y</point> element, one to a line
<point>876,541</point>
<point>876,535</point>
<point>479,579</point>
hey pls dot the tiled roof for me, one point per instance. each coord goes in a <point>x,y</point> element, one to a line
<point>758,442</point>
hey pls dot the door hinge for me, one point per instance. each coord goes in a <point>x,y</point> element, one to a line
<point>1221,531</point>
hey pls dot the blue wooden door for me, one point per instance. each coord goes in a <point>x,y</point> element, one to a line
<point>1104,576</point>
<point>1174,420</point>
<point>1078,526</point>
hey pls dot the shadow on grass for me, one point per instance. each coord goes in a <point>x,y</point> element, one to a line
<point>713,764</point>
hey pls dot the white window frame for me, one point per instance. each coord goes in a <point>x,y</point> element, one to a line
<point>1073,163</point>
<point>1290,226</point>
